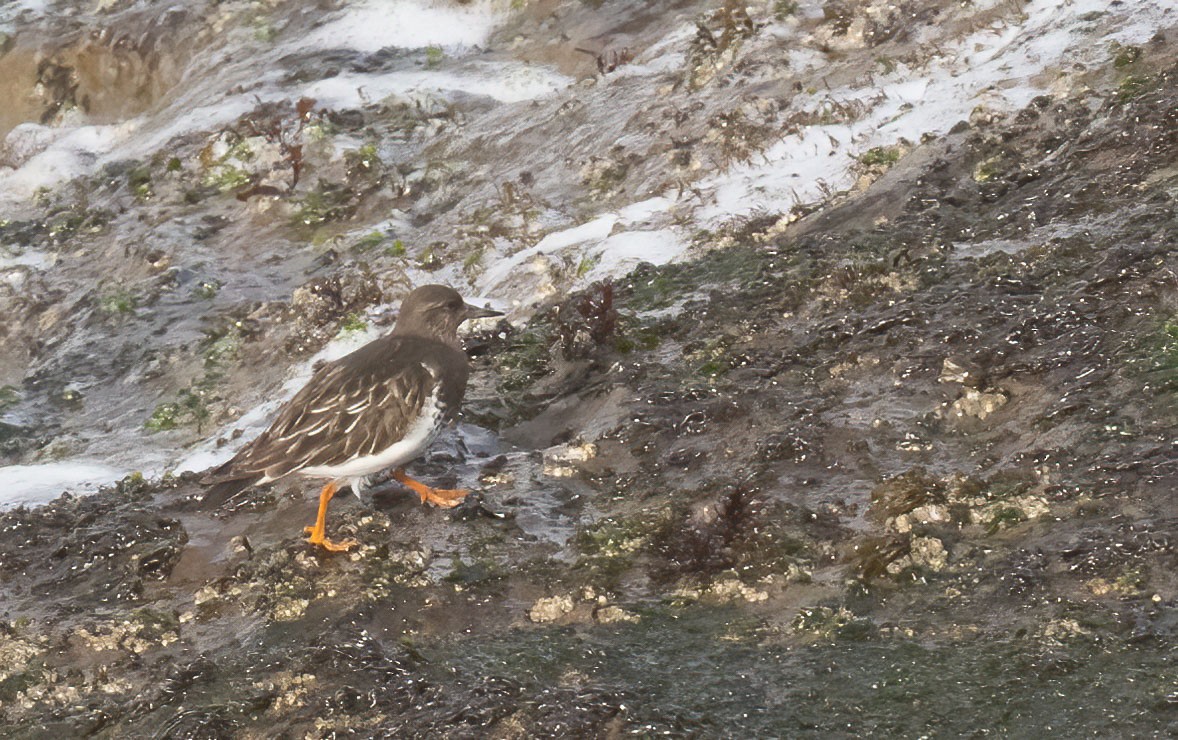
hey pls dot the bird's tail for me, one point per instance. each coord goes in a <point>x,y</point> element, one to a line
<point>224,486</point>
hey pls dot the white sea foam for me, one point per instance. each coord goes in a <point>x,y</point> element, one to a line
<point>30,485</point>
<point>608,245</point>
<point>234,83</point>
<point>408,24</point>
<point>505,82</point>
<point>624,251</point>
<point>999,67</point>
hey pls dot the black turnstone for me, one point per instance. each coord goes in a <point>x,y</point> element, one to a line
<point>376,408</point>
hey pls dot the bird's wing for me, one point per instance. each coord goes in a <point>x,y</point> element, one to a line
<point>342,413</point>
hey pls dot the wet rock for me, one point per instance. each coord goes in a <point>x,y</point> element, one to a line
<point>906,493</point>
<point>613,614</point>
<point>979,404</point>
<point>1014,509</point>
<point>827,622</point>
<point>563,461</point>
<point>550,609</point>
<point>16,653</point>
<point>730,588</point>
<point>926,514</point>
<point>239,546</point>
<point>604,175</point>
<point>1061,631</point>
<point>718,36</point>
<point>953,371</point>
<point>917,500</point>
<point>319,306</point>
<point>148,630</point>
<point>1119,587</point>
<point>923,552</point>
<point>289,609</point>
<point>115,547</point>
<point>853,25</point>
<point>289,691</point>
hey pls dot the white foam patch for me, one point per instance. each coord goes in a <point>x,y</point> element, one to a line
<point>1000,67</point>
<point>409,24</point>
<point>58,156</point>
<point>502,269</point>
<point>605,245</point>
<point>31,485</point>
<point>505,82</point>
<point>234,81</point>
<point>623,252</point>
<point>667,55</point>
<point>645,209</point>
<point>598,228</point>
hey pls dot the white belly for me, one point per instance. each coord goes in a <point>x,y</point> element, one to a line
<point>417,438</point>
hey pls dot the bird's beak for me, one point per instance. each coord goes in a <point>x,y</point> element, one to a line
<point>474,312</point>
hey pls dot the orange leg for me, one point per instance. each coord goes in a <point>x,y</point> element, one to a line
<point>447,498</point>
<point>317,532</point>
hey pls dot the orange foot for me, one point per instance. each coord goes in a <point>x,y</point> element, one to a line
<point>317,538</point>
<point>318,531</point>
<point>446,498</point>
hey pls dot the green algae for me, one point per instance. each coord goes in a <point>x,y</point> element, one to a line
<point>369,241</point>
<point>880,156</point>
<point>118,302</point>
<point>327,202</point>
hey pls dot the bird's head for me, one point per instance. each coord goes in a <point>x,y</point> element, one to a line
<point>435,311</point>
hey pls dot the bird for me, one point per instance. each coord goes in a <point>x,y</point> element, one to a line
<point>377,408</point>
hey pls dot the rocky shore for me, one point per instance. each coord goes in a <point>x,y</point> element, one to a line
<point>899,464</point>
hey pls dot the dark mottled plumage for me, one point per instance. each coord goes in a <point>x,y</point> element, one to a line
<point>375,408</point>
